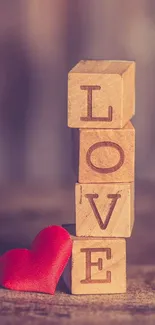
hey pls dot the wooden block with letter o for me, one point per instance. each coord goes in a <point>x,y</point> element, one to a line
<point>107,156</point>
<point>101,94</point>
<point>97,266</point>
<point>104,210</point>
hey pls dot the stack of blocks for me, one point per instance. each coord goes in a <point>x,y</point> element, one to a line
<point>101,102</point>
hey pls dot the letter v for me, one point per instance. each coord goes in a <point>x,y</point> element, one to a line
<point>113,197</point>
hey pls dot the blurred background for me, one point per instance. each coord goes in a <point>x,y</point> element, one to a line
<point>40,41</point>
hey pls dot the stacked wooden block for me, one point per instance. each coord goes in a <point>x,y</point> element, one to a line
<point>101,102</point>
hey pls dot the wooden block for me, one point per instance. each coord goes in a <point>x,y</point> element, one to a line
<point>97,266</point>
<point>104,210</point>
<point>107,155</point>
<point>101,94</point>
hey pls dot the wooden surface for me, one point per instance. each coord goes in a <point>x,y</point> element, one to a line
<point>107,155</point>
<point>26,210</point>
<point>101,94</point>
<point>137,306</point>
<point>104,210</point>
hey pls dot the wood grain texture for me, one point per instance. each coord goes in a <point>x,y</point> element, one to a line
<point>101,94</point>
<point>97,266</point>
<point>104,210</point>
<point>107,156</point>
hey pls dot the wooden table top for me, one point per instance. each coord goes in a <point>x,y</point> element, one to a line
<point>24,211</point>
<point>137,306</point>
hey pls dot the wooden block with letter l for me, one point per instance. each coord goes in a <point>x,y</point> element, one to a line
<point>101,94</point>
<point>107,156</point>
<point>97,266</point>
<point>104,210</point>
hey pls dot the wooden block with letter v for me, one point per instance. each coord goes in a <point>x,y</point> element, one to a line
<point>101,94</point>
<point>97,266</point>
<point>104,210</point>
<point>107,156</point>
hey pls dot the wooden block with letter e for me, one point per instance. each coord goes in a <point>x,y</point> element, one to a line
<point>107,156</point>
<point>104,210</point>
<point>101,94</point>
<point>97,266</point>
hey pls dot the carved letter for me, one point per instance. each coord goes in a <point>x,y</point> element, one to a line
<point>89,116</point>
<point>99,263</point>
<point>114,197</point>
<point>107,169</point>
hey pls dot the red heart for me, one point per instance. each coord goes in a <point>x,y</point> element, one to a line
<point>40,268</point>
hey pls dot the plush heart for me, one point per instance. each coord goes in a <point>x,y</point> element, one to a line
<point>40,268</point>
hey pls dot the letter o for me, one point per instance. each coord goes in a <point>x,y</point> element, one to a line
<point>107,169</point>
